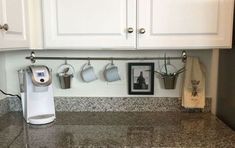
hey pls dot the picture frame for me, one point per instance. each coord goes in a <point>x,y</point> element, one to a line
<point>140,78</point>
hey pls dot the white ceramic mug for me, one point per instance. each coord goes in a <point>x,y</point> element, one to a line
<point>111,73</point>
<point>88,73</point>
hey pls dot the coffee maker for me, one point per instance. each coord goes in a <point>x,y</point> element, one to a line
<point>37,94</point>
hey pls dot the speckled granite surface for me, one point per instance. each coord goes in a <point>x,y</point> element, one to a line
<point>4,106</point>
<point>118,130</point>
<point>116,104</point>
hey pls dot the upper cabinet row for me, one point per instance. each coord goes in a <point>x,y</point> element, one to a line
<point>141,24</point>
<point>13,24</point>
<point>120,24</point>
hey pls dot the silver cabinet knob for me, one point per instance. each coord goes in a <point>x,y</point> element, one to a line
<point>5,27</point>
<point>130,30</point>
<point>142,31</point>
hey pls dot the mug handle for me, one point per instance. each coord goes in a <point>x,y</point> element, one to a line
<point>85,65</point>
<point>109,65</point>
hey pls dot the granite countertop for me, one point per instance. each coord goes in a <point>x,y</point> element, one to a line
<point>117,129</point>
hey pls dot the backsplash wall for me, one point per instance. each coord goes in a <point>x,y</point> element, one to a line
<point>15,60</point>
<point>2,75</point>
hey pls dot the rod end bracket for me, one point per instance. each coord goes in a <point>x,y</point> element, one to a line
<point>32,57</point>
<point>184,56</point>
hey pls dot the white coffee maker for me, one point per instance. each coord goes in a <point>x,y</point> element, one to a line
<point>37,94</point>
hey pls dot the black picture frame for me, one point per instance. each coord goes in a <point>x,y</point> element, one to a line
<point>140,78</point>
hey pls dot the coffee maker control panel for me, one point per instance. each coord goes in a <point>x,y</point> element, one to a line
<point>40,75</point>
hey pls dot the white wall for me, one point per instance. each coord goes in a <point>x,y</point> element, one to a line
<point>16,60</point>
<point>2,74</point>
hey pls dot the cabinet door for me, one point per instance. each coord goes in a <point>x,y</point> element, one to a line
<point>14,14</point>
<point>89,24</point>
<point>1,21</point>
<point>183,24</point>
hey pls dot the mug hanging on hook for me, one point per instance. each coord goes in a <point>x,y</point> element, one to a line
<point>111,72</point>
<point>88,72</point>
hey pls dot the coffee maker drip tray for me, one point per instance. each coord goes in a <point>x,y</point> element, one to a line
<point>42,119</point>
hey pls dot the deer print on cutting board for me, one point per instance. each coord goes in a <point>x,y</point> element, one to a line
<point>195,84</point>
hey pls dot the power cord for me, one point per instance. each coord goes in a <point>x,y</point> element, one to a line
<point>10,94</point>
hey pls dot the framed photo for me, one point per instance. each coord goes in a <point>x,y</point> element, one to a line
<point>141,78</point>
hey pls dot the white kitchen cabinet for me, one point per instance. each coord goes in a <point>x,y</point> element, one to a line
<point>89,24</point>
<point>13,21</point>
<point>185,24</point>
<point>156,24</point>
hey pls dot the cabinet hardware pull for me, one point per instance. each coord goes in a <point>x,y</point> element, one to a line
<point>4,27</point>
<point>142,31</point>
<point>130,30</point>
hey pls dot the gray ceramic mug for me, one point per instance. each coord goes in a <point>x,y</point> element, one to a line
<point>111,73</point>
<point>88,73</point>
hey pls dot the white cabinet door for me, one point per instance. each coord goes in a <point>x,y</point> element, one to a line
<point>1,21</point>
<point>183,24</point>
<point>89,24</point>
<point>14,14</point>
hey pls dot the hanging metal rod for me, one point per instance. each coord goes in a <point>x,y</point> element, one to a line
<point>33,58</point>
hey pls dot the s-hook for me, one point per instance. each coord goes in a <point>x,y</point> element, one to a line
<point>89,61</point>
<point>111,61</point>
